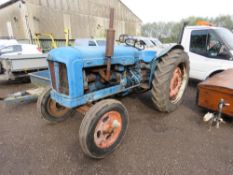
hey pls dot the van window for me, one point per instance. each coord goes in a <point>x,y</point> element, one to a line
<point>101,42</point>
<point>198,42</point>
<point>216,48</point>
<point>227,36</point>
<point>213,46</point>
<point>91,43</point>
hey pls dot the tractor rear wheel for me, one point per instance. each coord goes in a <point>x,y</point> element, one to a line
<point>51,110</point>
<point>103,128</point>
<point>170,80</point>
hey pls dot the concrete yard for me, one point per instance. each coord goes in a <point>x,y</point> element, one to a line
<point>156,143</point>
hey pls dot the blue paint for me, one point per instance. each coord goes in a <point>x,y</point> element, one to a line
<point>155,60</point>
<point>127,62</point>
<point>56,69</point>
<point>74,102</point>
<point>147,55</point>
<point>93,56</point>
<point>43,74</point>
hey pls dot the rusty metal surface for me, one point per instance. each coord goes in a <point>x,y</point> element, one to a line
<point>52,74</point>
<point>110,43</point>
<point>63,79</point>
<point>91,77</point>
<point>83,109</point>
<point>55,109</point>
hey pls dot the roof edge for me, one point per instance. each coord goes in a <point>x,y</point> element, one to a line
<point>8,3</point>
<point>130,10</point>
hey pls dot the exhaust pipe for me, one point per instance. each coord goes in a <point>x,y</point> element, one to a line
<point>110,39</point>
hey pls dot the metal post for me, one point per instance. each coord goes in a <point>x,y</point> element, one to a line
<point>110,43</point>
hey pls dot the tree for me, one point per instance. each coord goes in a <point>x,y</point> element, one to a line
<point>169,32</point>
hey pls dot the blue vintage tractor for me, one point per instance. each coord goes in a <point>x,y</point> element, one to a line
<point>84,78</point>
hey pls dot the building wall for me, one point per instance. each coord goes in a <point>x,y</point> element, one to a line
<point>84,18</point>
<point>12,21</point>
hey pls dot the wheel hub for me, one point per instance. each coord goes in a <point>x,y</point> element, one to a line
<point>175,83</point>
<point>55,109</point>
<point>108,129</point>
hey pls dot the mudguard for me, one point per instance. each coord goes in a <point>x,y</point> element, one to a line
<point>159,56</point>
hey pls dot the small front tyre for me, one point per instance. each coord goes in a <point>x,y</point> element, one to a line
<point>103,128</point>
<point>51,110</point>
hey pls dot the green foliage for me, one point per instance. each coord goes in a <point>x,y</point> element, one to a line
<point>168,32</point>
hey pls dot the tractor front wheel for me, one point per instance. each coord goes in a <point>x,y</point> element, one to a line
<point>170,80</point>
<point>51,110</point>
<point>103,128</point>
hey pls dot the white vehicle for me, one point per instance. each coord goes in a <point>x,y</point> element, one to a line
<point>210,50</point>
<point>7,42</point>
<point>19,49</point>
<point>17,60</point>
<point>146,42</point>
<point>90,42</point>
<point>156,42</point>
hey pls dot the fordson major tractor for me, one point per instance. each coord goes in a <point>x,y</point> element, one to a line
<point>84,78</point>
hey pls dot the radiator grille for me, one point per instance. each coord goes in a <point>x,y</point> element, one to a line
<point>52,74</point>
<point>63,78</point>
<point>62,86</point>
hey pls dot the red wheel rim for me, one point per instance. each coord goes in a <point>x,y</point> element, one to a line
<point>175,83</point>
<point>108,129</point>
<point>55,109</point>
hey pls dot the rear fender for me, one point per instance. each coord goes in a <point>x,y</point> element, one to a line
<point>159,57</point>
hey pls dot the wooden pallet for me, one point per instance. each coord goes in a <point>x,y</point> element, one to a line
<point>218,87</point>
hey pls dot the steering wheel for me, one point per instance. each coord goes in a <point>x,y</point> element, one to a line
<point>135,43</point>
<point>217,46</point>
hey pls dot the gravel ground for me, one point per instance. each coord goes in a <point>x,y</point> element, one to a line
<point>156,143</point>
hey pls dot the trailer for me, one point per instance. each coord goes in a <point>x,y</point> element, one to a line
<point>18,66</point>
<point>216,93</point>
<point>40,79</point>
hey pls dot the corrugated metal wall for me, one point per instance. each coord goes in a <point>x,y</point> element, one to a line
<point>85,18</point>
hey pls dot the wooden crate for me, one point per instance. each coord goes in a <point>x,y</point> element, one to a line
<point>218,87</point>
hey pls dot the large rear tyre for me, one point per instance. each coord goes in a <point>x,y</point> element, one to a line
<point>50,110</point>
<point>170,80</point>
<point>103,128</point>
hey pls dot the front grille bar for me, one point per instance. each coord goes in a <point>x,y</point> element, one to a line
<point>63,79</point>
<point>52,74</point>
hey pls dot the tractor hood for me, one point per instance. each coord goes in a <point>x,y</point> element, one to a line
<point>65,54</point>
<point>95,56</point>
